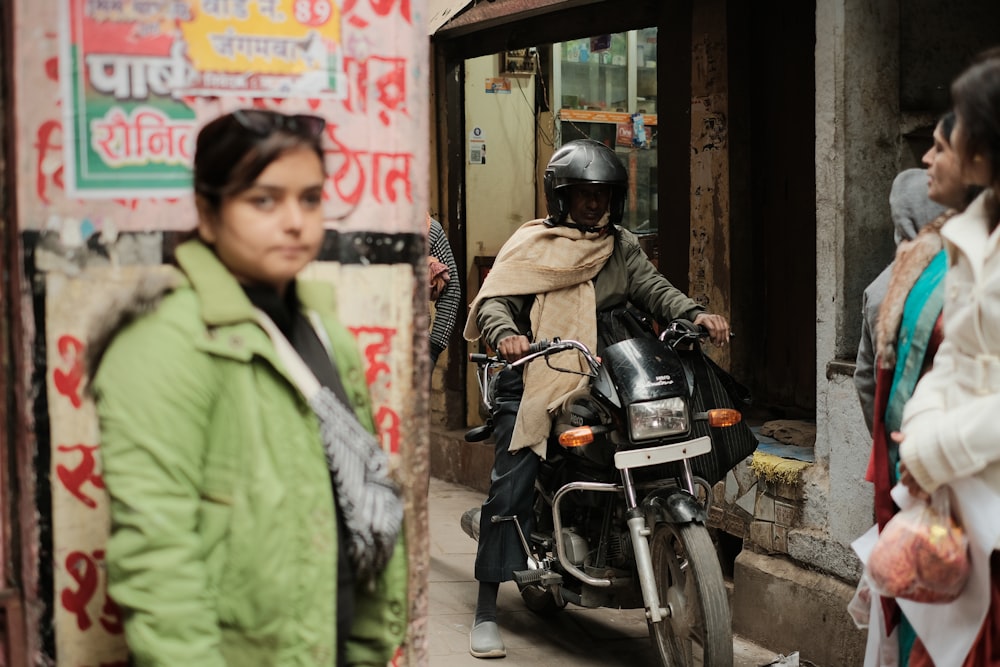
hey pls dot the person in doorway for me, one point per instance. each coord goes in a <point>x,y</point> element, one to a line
<point>552,278</point>
<point>236,537</point>
<point>445,290</point>
<point>948,435</point>
<point>908,333</point>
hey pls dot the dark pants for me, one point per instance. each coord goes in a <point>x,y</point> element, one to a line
<point>512,483</point>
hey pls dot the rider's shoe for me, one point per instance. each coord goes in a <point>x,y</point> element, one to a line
<point>485,641</point>
<point>470,522</point>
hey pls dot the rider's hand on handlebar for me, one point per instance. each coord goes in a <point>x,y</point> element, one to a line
<point>513,348</point>
<point>718,327</point>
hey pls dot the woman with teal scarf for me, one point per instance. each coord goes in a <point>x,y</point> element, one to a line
<point>908,332</point>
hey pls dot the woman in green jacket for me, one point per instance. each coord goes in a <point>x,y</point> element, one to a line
<point>233,542</point>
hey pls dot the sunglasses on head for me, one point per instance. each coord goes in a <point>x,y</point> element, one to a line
<point>264,123</point>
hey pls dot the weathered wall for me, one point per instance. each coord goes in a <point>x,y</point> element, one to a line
<point>709,273</point>
<point>937,40</point>
<point>882,75</point>
<point>81,236</point>
<point>857,138</point>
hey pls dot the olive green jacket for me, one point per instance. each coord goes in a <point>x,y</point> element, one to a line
<point>223,547</point>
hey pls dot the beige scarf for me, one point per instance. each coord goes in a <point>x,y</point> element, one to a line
<point>557,265</point>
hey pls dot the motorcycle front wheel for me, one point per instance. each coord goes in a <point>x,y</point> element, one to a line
<point>698,628</point>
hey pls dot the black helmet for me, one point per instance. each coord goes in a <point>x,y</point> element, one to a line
<point>584,161</point>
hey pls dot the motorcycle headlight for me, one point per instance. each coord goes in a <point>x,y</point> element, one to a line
<point>658,419</point>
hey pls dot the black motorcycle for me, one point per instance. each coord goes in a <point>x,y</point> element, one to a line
<point>620,514</point>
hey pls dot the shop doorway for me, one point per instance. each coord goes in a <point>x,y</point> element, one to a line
<point>721,158</point>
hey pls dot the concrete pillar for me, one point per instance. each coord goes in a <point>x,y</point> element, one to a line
<point>101,192</point>
<point>857,138</point>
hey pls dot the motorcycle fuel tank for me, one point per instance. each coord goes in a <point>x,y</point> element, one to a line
<point>644,369</point>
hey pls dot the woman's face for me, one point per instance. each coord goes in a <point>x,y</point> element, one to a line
<point>944,175</point>
<point>975,169</point>
<point>269,232</point>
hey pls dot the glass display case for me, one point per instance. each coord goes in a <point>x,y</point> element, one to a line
<point>604,88</point>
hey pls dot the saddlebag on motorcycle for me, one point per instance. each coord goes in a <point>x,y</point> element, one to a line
<point>715,388</point>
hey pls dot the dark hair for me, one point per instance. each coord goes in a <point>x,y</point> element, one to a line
<point>947,125</point>
<point>232,150</point>
<point>976,94</point>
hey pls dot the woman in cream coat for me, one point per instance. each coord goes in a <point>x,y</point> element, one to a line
<point>951,436</point>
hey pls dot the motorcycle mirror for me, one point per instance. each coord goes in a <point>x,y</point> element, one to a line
<point>576,437</point>
<point>722,417</point>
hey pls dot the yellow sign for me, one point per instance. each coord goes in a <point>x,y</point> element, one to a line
<point>285,46</point>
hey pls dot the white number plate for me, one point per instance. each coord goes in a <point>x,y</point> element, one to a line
<point>651,456</point>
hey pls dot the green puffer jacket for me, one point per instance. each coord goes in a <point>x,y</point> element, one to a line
<point>223,550</point>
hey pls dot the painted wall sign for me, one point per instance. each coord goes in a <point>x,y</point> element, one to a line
<point>126,130</point>
<point>88,623</point>
<point>84,153</point>
<point>130,67</point>
<point>264,48</point>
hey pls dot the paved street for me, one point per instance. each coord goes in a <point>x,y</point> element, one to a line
<point>577,637</point>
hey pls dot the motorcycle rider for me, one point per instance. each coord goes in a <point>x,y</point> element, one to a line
<point>553,278</point>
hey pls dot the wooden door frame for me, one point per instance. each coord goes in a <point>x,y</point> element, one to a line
<point>19,558</point>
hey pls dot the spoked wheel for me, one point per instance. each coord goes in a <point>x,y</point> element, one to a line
<point>698,628</point>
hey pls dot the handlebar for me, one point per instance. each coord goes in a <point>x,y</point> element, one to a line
<point>534,348</point>
<point>680,329</point>
<point>487,365</point>
<point>541,348</point>
<point>683,332</point>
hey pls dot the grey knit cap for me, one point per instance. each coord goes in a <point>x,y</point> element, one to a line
<point>909,204</point>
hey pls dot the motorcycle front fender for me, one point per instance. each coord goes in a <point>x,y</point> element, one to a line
<point>673,505</point>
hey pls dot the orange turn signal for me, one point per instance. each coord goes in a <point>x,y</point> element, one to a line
<point>576,437</point>
<point>722,417</point>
